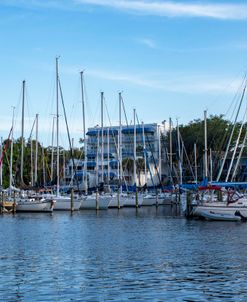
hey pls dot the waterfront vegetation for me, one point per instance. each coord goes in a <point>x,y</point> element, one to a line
<point>218,131</point>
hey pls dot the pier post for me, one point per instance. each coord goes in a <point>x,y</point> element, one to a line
<point>156,202</point>
<point>118,198</point>
<point>137,205</point>
<point>72,201</point>
<point>97,200</point>
<point>188,205</point>
<point>14,205</point>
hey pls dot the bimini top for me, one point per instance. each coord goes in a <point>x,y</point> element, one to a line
<point>138,130</point>
<point>105,132</point>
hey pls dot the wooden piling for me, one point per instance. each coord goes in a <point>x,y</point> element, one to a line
<point>188,205</point>
<point>97,200</point>
<point>118,198</point>
<point>14,205</point>
<point>137,204</point>
<point>72,201</point>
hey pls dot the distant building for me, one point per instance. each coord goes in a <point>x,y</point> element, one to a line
<point>103,159</point>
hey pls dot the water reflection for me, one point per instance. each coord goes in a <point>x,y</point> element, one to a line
<point>152,254</point>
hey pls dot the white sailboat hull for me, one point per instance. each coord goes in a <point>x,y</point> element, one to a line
<point>26,205</point>
<point>114,202</point>
<point>221,208</point>
<point>63,203</point>
<point>149,200</point>
<point>90,202</point>
<point>130,200</point>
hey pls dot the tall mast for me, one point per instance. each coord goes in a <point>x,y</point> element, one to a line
<point>31,159</point>
<point>144,153</point>
<point>159,146</point>
<point>232,132</point>
<point>102,136</point>
<point>170,130</point>
<point>235,151</point>
<point>134,146</point>
<point>97,161</point>
<point>120,142</point>
<point>52,147</point>
<point>11,152</point>
<point>84,133</point>
<point>205,146</point>
<point>72,168</point>
<point>22,129</point>
<point>43,164</point>
<point>179,156</point>
<point>36,152</point>
<point>195,159</point>
<point>57,99</point>
<point>211,165</point>
<point>108,156</point>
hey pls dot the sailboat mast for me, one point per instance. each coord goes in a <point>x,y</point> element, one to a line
<point>134,111</point>
<point>102,136</point>
<point>22,128</point>
<point>52,147</point>
<point>144,153</point>
<point>11,152</point>
<point>170,141</point>
<point>57,116</point>
<point>232,132</point>
<point>72,168</point>
<point>36,152</point>
<point>179,156</point>
<point>159,146</point>
<point>120,142</point>
<point>43,164</point>
<point>211,165</point>
<point>84,133</point>
<point>195,159</point>
<point>205,146</point>
<point>108,156</point>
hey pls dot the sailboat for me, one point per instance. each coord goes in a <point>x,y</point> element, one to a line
<point>62,202</point>
<point>98,201</point>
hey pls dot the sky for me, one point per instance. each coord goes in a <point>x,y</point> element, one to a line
<point>168,58</point>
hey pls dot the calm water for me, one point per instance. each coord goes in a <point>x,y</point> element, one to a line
<point>149,255</point>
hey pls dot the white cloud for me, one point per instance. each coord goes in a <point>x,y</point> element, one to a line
<point>175,9</point>
<point>223,11</point>
<point>147,42</point>
<point>172,82</point>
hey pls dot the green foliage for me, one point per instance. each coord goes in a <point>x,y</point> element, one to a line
<point>42,160</point>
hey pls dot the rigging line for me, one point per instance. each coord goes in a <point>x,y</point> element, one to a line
<point>230,126</point>
<point>237,93</point>
<point>154,161</point>
<point>187,157</point>
<point>67,127</point>
<point>30,136</point>
<point>228,146</point>
<point>108,116</point>
<point>6,146</point>
<point>236,145</point>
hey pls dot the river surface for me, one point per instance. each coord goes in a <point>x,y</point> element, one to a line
<point>145,255</point>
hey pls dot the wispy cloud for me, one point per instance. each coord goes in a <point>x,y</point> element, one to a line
<point>147,42</point>
<point>222,11</point>
<point>172,82</point>
<point>175,9</point>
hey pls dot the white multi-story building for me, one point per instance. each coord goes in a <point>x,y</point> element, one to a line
<point>110,155</point>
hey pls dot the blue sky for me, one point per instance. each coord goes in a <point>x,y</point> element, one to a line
<point>170,58</point>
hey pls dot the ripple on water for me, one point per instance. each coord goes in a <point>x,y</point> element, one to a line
<point>121,255</point>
